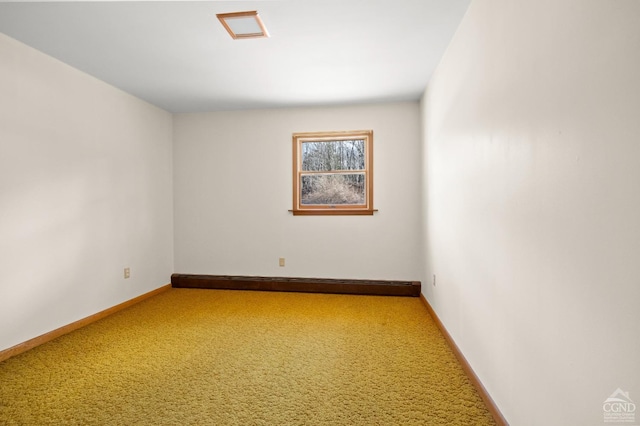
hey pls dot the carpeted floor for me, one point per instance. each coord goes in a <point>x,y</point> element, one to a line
<point>211,357</point>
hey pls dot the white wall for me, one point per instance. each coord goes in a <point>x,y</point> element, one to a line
<point>85,190</point>
<point>233,190</point>
<point>532,203</point>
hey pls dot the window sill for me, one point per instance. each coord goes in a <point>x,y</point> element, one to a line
<point>333,212</point>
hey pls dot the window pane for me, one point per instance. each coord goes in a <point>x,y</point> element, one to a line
<point>327,156</point>
<point>333,189</point>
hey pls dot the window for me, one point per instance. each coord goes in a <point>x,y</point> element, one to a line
<point>333,173</point>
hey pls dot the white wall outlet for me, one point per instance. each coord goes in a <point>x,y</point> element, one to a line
<point>281,261</point>
<point>127,272</point>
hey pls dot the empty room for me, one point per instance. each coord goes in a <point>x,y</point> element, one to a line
<point>315,212</point>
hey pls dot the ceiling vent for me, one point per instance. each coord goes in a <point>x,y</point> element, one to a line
<point>243,24</point>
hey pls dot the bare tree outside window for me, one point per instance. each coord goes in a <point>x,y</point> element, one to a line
<point>333,173</point>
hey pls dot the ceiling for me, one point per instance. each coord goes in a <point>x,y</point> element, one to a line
<point>177,55</point>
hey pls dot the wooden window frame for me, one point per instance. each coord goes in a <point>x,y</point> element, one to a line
<point>340,209</point>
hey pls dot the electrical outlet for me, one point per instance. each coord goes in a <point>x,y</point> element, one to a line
<point>281,261</point>
<point>434,280</point>
<point>127,272</point>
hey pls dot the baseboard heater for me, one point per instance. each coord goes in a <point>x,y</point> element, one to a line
<point>305,285</point>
